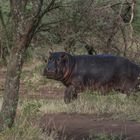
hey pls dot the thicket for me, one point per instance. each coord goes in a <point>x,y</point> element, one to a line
<point>97,26</point>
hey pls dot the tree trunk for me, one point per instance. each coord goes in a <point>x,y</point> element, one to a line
<point>11,92</point>
<point>23,32</point>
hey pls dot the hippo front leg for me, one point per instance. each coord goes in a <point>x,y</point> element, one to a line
<point>70,94</point>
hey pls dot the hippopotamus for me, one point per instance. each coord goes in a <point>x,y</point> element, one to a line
<point>102,73</point>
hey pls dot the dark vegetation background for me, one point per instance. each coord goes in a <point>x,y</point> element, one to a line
<point>79,26</point>
<point>29,29</point>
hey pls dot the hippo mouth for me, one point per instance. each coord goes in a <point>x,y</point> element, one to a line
<point>52,75</point>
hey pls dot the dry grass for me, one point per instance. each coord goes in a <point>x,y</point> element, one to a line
<point>116,106</point>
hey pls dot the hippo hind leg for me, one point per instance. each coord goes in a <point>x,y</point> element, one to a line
<point>70,94</point>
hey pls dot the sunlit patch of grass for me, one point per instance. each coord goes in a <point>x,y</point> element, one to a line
<point>117,106</point>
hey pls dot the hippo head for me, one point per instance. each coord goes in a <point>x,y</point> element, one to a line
<point>56,65</point>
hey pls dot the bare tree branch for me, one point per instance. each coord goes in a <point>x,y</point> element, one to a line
<point>37,7</point>
<point>132,11</point>
<point>24,3</point>
<point>1,18</point>
<point>50,7</point>
<point>46,27</point>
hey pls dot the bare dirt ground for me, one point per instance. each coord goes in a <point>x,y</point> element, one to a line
<point>78,126</point>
